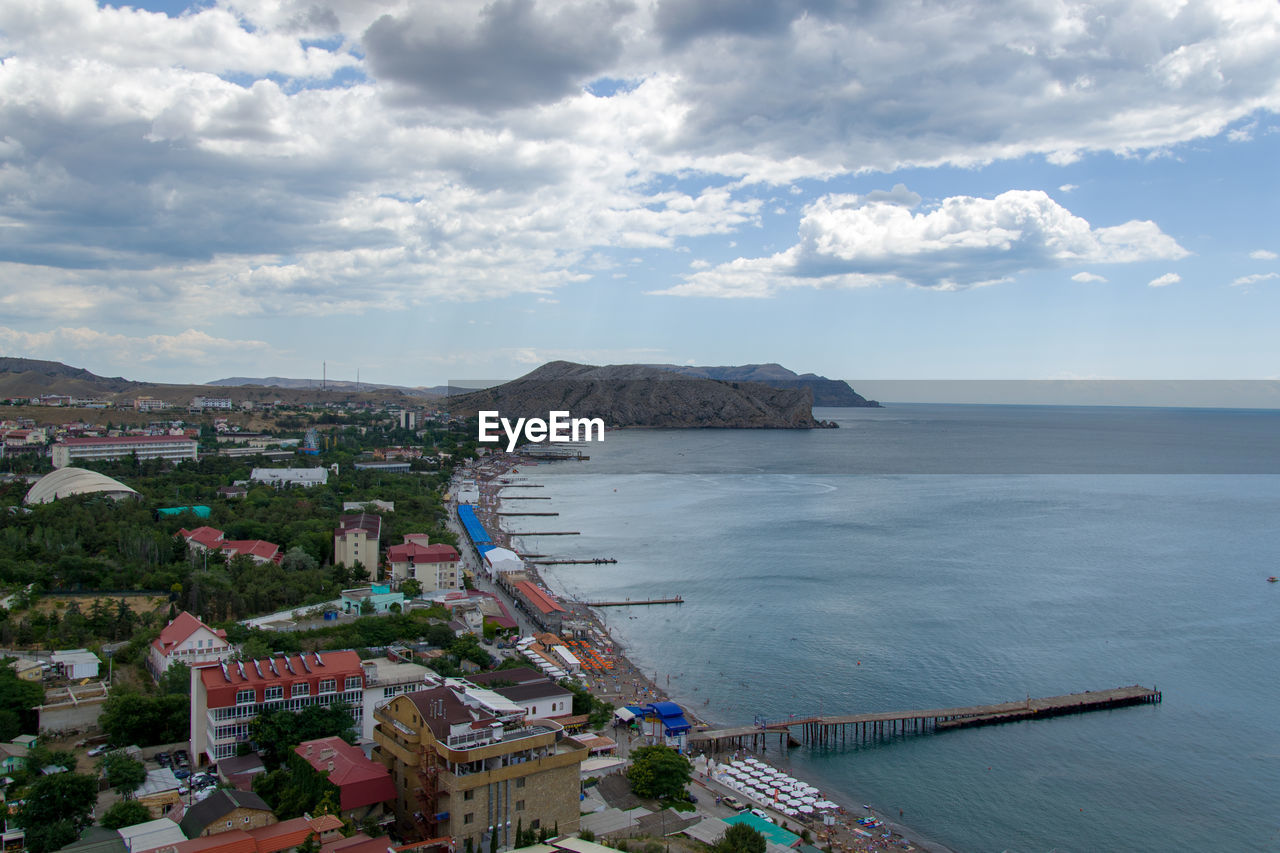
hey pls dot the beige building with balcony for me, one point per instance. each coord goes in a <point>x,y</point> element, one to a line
<point>469,764</point>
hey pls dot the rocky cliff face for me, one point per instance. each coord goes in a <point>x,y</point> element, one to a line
<point>634,395</point>
<point>826,392</point>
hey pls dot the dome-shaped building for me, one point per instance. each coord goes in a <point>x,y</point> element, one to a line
<point>66,482</point>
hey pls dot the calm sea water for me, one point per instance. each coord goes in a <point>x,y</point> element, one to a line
<point>895,563</point>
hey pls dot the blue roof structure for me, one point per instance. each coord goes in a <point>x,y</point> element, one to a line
<point>471,524</point>
<point>484,549</point>
<point>669,713</point>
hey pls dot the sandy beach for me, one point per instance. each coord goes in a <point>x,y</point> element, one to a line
<point>625,683</point>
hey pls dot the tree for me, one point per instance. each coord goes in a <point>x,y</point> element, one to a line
<point>129,717</point>
<point>298,560</point>
<point>176,680</point>
<point>126,813</point>
<point>366,607</point>
<point>277,732</point>
<point>56,809</point>
<point>122,773</point>
<point>740,838</point>
<point>411,588</point>
<point>658,772</point>
<point>19,698</point>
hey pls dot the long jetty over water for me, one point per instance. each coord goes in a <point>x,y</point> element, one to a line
<point>835,730</point>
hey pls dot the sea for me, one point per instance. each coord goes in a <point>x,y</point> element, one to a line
<point>926,556</point>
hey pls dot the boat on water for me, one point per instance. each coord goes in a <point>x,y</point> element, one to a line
<point>1272,579</point>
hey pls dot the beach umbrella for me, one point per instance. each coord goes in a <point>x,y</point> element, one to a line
<point>826,804</point>
<point>789,812</point>
<point>808,801</point>
<point>805,809</point>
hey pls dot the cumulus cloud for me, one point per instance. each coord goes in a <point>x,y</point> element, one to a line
<point>504,53</point>
<point>853,241</point>
<point>1084,277</point>
<point>1165,280</point>
<point>1066,188</point>
<point>1255,278</point>
<point>297,157</point>
<point>1263,255</point>
<point>190,348</point>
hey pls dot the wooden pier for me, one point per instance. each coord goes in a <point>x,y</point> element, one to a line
<point>504,514</point>
<point>636,602</point>
<point>544,533</point>
<point>837,730</point>
<point>526,498</point>
<point>521,486</point>
<point>598,561</point>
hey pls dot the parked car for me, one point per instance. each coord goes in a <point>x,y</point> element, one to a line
<point>181,773</point>
<point>760,813</point>
<point>99,750</point>
<point>734,803</point>
<point>181,757</point>
<point>164,759</point>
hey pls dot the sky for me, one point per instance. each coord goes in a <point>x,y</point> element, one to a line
<point>420,192</point>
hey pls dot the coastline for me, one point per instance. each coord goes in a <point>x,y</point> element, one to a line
<point>631,685</point>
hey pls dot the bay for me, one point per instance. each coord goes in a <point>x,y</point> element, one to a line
<point>930,556</point>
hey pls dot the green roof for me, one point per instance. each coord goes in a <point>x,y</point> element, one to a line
<point>771,831</point>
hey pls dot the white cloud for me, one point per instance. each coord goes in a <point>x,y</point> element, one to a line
<point>1165,280</point>
<point>1066,188</point>
<point>1084,277</point>
<point>1263,255</point>
<point>1255,278</point>
<point>298,158</point>
<point>850,241</point>
<point>190,349</point>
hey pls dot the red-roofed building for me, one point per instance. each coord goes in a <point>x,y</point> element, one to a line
<point>277,837</point>
<point>175,448</point>
<point>225,697</point>
<point>541,606</point>
<point>190,641</point>
<point>359,843</point>
<point>202,538</point>
<point>363,785</point>
<point>211,539</point>
<point>433,566</point>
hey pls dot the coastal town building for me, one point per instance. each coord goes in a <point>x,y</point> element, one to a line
<point>435,567</point>
<point>540,696</point>
<point>75,664</point>
<point>148,404</point>
<point>203,539</point>
<point>470,764</point>
<point>66,482</point>
<point>287,835</point>
<point>225,810</point>
<point>284,477</point>
<point>356,540</point>
<point>377,598</point>
<point>364,786</point>
<point>386,678</point>
<point>190,641</point>
<point>216,403</point>
<point>173,448</point>
<point>226,697</point>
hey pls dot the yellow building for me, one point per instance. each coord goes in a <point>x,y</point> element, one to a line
<point>467,764</point>
<point>356,541</point>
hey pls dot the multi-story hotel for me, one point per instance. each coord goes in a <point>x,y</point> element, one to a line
<point>172,447</point>
<point>470,764</point>
<point>435,567</point>
<point>226,697</point>
<point>356,540</point>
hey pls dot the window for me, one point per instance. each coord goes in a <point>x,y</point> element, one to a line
<point>468,818</point>
<point>246,819</point>
<point>302,689</point>
<point>353,682</point>
<point>244,697</point>
<point>469,795</point>
<point>328,685</point>
<point>228,824</point>
<point>273,692</point>
<point>520,782</point>
<point>519,805</point>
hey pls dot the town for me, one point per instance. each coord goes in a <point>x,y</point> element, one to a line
<point>234,626</point>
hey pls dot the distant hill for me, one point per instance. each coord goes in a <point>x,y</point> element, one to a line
<point>826,392</point>
<point>638,395</point>
<point>30,377</point>
<point>27,377</point>
<point>331,384</point>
